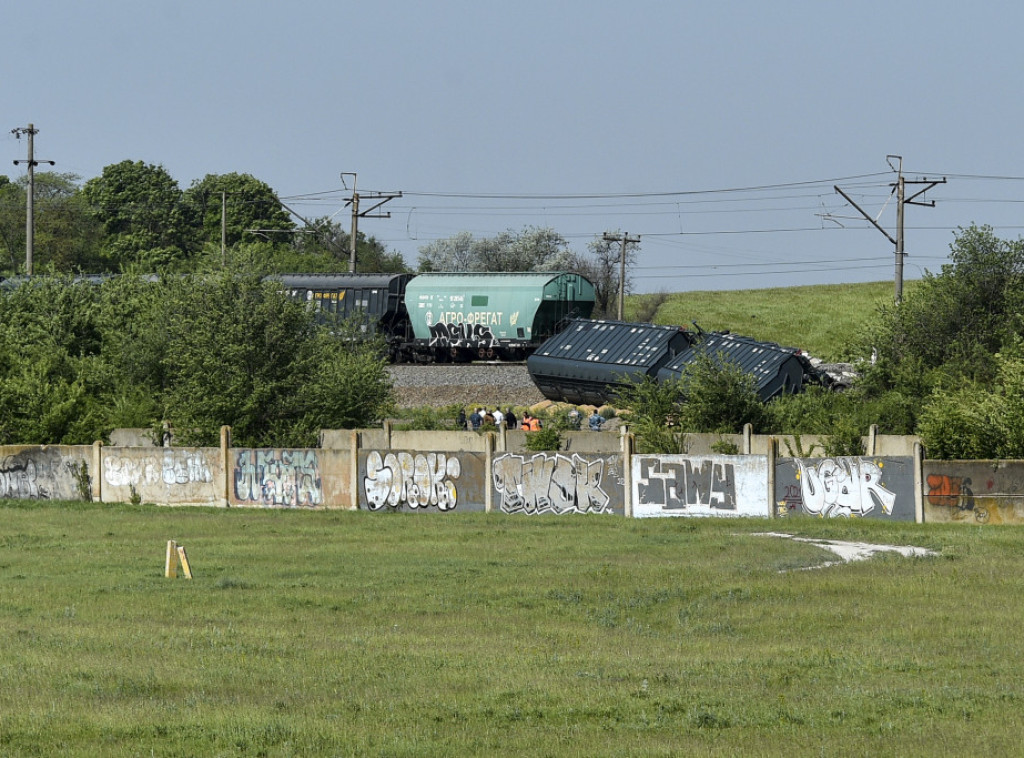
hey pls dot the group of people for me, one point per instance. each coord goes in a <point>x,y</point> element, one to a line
<point>482,417</point>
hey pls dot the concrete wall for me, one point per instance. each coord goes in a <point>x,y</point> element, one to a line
<point>595,472</point>
<point>705,485</point>
<point>51,472</point>
<point>283,478</point>
<point>424,482</point>
<point>559,483</point>
<point>178,475</point>
<point>849,487</point>
<point>974,492</point>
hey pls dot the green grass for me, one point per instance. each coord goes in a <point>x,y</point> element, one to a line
<point>821,319</point>
<point>348,633</point>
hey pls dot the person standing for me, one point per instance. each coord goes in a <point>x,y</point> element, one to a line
<point>498,416</point>
<point>595,421</point>
<point>475,419</point>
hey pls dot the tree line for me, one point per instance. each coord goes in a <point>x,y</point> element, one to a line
<point>135,216</point>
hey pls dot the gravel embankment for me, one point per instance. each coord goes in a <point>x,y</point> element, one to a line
<point>484,384</point>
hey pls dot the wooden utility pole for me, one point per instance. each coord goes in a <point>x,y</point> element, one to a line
<point>901,201</point>
<point>624,239</point>
<point>30,224</point>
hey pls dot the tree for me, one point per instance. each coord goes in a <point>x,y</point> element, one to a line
<point>323,246</point>
<point>532,249</point>
<point>952,323</point>
<point>253,210</point>
<point>602,267</point>
<point>143,217</point>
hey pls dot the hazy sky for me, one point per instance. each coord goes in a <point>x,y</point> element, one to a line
<point>715,131</point>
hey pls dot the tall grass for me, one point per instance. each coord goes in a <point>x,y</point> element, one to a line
<point>347,633</point>
<point>825,320</point>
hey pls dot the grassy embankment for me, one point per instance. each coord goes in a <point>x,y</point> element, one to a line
<point>821,319</point>
<point>341,633</point>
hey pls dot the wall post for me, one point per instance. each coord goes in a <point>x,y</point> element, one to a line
<point>627,472</point>
<point>773,446</point>
<point>225,460</point>
<point>918,483</point>
<point>96,483</point>
<point>873,439</point>
<point>354,470</point>
<point>748,434</point>
<point>488,471</point>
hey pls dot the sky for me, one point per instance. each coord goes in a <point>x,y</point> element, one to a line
<point>716,132</point>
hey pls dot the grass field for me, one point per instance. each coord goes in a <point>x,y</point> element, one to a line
<point>821,319</point>
<point>348,633</point>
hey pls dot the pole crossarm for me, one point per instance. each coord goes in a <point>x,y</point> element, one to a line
<point>901,202</point>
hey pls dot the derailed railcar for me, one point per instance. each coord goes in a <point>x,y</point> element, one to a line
<point>586,362</point>
<point>492,316</point>
<point>777,370</point>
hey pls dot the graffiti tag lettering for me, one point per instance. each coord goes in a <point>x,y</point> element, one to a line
<point>169,467</point>
<point>18,480</point>
<point>673,486</point>
<point>843,487</point>
<point>461,335</point>
<point>278,477</point>
<point>550,484</point>
<point>418,481</point>
<point>955,492</point>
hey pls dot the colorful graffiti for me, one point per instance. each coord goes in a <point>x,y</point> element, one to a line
<point>550,483</point>
<point>954,492</point>
<point>417,480</point>
<point>682,484</point>
<point>168,467</point>
<point>843,487</point>
<point>278,477</point>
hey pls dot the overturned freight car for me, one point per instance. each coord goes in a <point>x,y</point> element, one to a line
<point>776,370</point>
<point>588,362</point>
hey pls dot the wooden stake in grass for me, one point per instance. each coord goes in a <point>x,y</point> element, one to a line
<point>171,565</point>
<point>184,562</point>
<point>175,554</point>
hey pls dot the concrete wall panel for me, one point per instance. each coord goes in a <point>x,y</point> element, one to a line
<point>974,492</point>
<point>178,475</point>
<point>872,487</point>
<point>53,472</point>
<point>432,482</point>
<point>283,478</point>
<point>703,485</point>
<point>558,483</point>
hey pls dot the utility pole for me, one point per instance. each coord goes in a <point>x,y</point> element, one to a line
<point>382,197</point>
<point>30,224</point>
<point>624,239</point>
<point>900,187</point>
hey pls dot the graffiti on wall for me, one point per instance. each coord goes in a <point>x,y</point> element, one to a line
<point>550,483</point>
<point>168,467</point>
<point>843,487</point>
<point>954,492</point>
<point>680,484</point>
<point>461,335</point>
<point>18,479</point>
<point>419,480</point>
<point>278,477</point>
